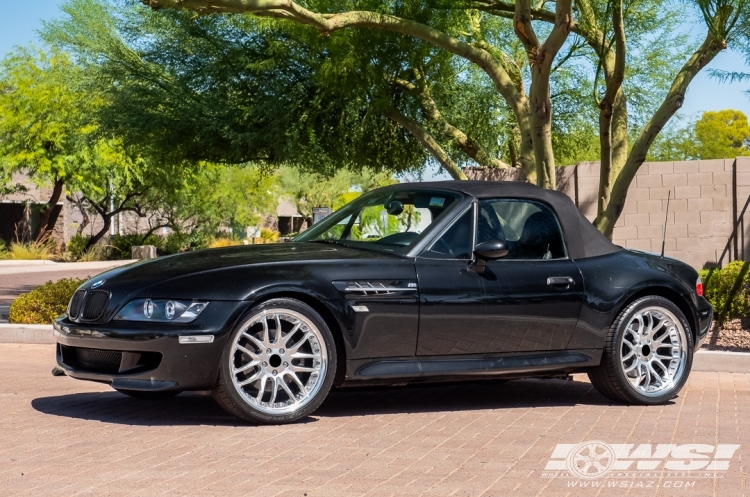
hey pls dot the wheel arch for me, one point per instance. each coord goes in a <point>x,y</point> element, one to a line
<point>328,316</point>
<point>670,294</point>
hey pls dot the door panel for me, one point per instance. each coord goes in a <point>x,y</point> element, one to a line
<point>533,305</point>
<point>451,313</point>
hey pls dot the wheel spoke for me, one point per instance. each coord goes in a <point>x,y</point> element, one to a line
<point>631,367</point>
<point>261,388</point>
<point>245,367</point>
<point>291,334</point>
<point>247,351</point>
<point>251,379</point>
<point>265,330</point>
<point>303,355</point>
<point>277,334</point>
<point>299,383</point>
<point>255,341</point>
<point>302,369</point>
<point>288,390</point>
<point>275,389</point>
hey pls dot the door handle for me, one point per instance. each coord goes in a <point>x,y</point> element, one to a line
<point>560,281</point>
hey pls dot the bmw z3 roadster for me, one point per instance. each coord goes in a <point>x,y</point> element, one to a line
<point>412,282</point>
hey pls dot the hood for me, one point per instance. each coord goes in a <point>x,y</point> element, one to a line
<point>227,260</point>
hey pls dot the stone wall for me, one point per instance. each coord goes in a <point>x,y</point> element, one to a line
<point>708,198</point>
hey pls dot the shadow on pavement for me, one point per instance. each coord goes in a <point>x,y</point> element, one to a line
<point>199,409</point>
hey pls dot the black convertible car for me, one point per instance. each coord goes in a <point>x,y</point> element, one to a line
<point>412,282</point>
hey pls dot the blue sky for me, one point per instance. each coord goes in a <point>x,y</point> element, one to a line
<point>22,19</point>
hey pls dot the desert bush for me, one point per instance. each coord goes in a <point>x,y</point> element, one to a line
<point>728,290</point>
<point>28,251</point>
<point>43,304</point>
<point>269,235</point>
<point>222,242</point>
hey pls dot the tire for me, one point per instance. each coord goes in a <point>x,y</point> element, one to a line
<point>276,378</point>
<point>149,395</point>
<point>648,354</point>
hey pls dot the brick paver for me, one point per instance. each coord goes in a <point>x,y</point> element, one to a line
<point>64,437</point>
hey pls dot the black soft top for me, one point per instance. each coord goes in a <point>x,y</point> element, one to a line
<point>582,238</point>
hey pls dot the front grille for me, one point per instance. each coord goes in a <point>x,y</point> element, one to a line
<point>106,361</point>
<point>95,304</point>
<point>75,304</point>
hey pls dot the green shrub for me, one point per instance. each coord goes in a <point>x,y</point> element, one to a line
<point>45,303</point>
<point>728,290</point>
<point>77,246</point>
<point>121,244</point>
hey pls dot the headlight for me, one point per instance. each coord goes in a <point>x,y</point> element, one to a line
<point>161,310</point>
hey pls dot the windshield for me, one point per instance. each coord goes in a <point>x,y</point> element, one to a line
<point>382,220</point>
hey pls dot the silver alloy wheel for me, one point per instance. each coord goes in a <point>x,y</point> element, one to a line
<point>279,361</point>
<point>653,351</point>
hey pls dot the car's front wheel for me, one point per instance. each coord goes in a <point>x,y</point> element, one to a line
<point>648,353</point>
<point>278,365</point>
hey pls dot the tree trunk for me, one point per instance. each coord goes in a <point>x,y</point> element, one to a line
<point>107,218</point>
<point>541,126</point>
<point>49,215</point>
<point>607,219</point>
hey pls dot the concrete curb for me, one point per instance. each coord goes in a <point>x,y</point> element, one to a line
<point>721,361</point>
<point>50,266</point>
<point>703,360</point>
<point>26,333</point>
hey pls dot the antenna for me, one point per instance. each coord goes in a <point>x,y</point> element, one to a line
<point>666,218</point>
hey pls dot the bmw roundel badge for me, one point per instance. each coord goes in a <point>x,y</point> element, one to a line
<point>97,284</point>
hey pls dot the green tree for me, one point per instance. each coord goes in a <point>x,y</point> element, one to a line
<point>716,135</point>
<point>627,61</point>
<point>309,190</point>
<point>212,197</point>
<point>41,130</point>
<point>723,134</point>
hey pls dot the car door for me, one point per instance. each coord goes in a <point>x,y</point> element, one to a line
<point>452,316</point>
<point>534,294</point>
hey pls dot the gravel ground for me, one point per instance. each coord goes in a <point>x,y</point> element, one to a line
<point>734,336</point>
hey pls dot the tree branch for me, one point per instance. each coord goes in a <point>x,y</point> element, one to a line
<point>712,45</point>
<point>427,141</point>
<point>432,113</point>
<point>328,23</point>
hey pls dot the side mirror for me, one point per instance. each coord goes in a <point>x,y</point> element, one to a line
<point>494,249</point>
<point>487,251</point>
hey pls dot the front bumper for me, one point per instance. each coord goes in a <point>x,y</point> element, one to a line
<point>145,356</point>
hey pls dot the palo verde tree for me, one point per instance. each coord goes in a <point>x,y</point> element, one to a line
<point>543,30</point>
<point>41,130</point>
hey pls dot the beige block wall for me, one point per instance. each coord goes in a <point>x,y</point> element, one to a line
<point>701,206</point>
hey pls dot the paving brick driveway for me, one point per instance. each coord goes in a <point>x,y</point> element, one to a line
<point>64,437</point>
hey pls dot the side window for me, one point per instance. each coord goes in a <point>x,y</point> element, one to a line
<point>456,242</point>
<point>529,228</point>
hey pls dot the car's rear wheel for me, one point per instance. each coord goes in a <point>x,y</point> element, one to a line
<point>278,365</point>
<point>148,395</point>
<point>648,353</point>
